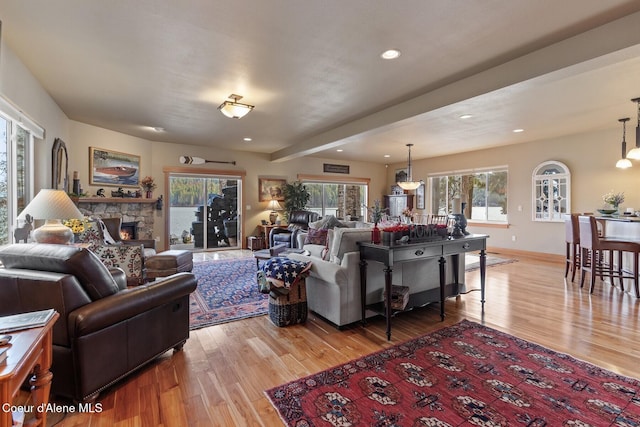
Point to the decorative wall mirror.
(59, 166)
(551, 191)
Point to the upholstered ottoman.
(167, 263)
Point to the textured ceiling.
(313, 70)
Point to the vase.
(375, 234)
(460, 223)
(149, 194)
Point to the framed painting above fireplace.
(107, 167)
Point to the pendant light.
(635, 153)
(409, 184)
(624, 163)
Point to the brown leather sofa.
(105, 330)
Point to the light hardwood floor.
(220, 376)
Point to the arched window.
(551, 191)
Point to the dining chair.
(572, 239)
(593, 249)
(438, 219)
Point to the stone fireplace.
(139, 212)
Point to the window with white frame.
(484, 193)
(17, 134)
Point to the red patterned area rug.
(462, 375)
(227, 291)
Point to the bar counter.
(621, 226)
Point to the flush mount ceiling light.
(390, 54)
(233, 109)
(409, 184)
(624, 162)
(635, 153)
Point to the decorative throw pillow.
(92, 233)
(316, 237)
(325, 252)
(316, 224)
(329, 222)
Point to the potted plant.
(296, 197)
(375, 215)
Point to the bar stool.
(593, 249)
(572, 238)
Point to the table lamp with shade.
(52, 206)
(275, 207)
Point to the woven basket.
(289, 309)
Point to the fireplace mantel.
(112, 200)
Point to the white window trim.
(11, 110)
(501, 168)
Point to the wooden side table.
(30, 351)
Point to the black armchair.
(298, 220)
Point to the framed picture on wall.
(113, 168)
(270, 189)
(420, 197)
(402, 174)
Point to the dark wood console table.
(415, 252)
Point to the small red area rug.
(227, 291)
(462, 375)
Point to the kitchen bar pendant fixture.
(624, 162)
(234, 109)
(409, 184)
(635, 153)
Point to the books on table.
(33, 319)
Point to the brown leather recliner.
(298, 220)
(105, 330)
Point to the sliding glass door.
(204, 211)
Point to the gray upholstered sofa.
(333, 285)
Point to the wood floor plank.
(220, 376)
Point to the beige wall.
(18, 85)
(155, 156)
(591, 159)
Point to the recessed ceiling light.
(247, 139)
(339, 150)
(390, 54)
(518, 130)
(466, 116)
(387, 155)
